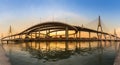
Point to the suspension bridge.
(58, 31)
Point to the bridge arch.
(49, 25)
(48, 28)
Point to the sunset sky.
(21, 14)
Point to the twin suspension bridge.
(58, 31)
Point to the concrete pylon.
(10, 32)
(115, 34)
(66, 33)
(99, 28)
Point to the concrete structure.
(43, 31)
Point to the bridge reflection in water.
(103, 53)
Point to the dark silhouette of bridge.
(44, 31)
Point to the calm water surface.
(62, 53)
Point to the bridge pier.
(31, 35)
(79, 34)
(89, 35)
(19, 36)
(46, 34)
(56, 34)
(49, 32)
(66, 33)
(105, 37)
(26, 35)
(39, 34)
(35, 34)
(14, 37)
(76, 35)
(99, 36)
(110, 37)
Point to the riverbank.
(117, 59)
(4, 60)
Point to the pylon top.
(115, 32)
(10, 30)
(99, 28)
(99, 21)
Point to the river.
(61, 53)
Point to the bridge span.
(58, 31)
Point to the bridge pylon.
(99, 28)
(115, 34)
(10, 32)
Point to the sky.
(22, 14)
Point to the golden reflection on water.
(63, 45)
(54, 51)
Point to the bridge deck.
(4, 60)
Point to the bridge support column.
(89, 35)
(11, 37)
(39, 34)
(56, 34)
(14, 37)
(26, 35)
(99, 36)
(105, 37)
(79, 34)
(76, 35)
(35, 34)
(31, 35)
(115, 35)
(110, 37)
(21, 36)
(66, 33)
(48, 33)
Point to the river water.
(61, 53)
